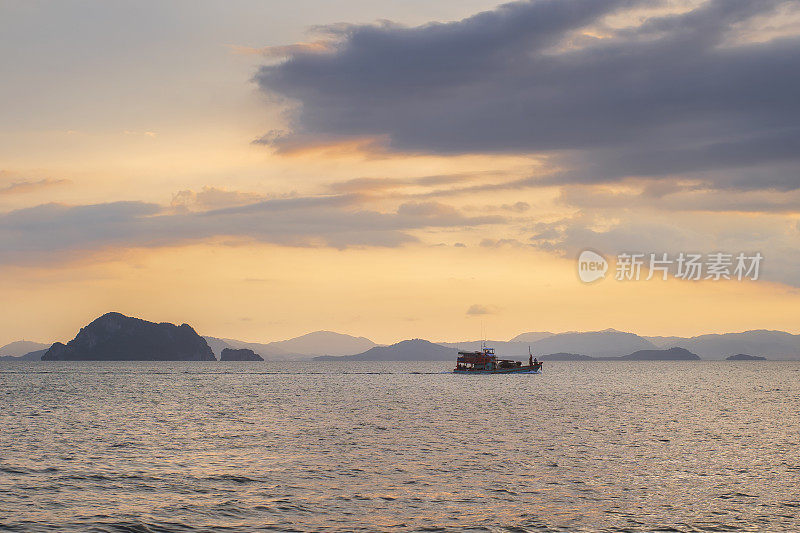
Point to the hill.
(298, 348)
(772, 344)
(532, 336)
(672, 354)
(325, 343)
(20, 348)
(116, 337)
(606, 343)
(33, 356)
(409, 350)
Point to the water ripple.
(405, 447)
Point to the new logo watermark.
(592, 266)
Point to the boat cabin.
(483, 360)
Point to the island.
(745, 357)
(242, 354)
(116, 337)
(672, 354)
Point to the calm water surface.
(239, 447)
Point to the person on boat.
(530, 359)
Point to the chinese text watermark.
(686, 266)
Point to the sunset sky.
(395, 169)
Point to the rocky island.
(745, 357)
(116, 337)
(243, 354)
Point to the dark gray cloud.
(334, 221)
(676, 94)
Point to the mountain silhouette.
(299, 348)
(671, 354)
(116, 337)
(21, 348)
(408, 350)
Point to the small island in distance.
(242, 354)
(745, 357)
(671, 354)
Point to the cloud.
(388, 185)
(447, 186)
(498, 243)
(151, 134)
(674, 94)
(212, 198)
(679, 197)
(24, 186)
(479, 309)
(776, 237)
(333, 221)
(315, 47)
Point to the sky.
(396, 169)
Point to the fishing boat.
(485, 361)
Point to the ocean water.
(241, 447)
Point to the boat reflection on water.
(485, 361)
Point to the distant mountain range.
(303, 347)
(422, 350)
(613, 343)
(760, 342)
(410, 350)
(573, 345)
(606, 343)
(20, 348)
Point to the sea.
(346, 446)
